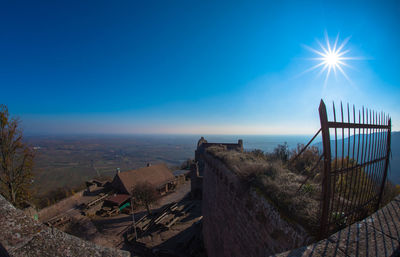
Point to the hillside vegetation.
(269, 175)
(294, 184)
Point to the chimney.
(118, 171)
(148, 164)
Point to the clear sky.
(203, 67)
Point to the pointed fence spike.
(363, 116)
(348, 114)
(341, 111)
(334, 111)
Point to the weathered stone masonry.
(22, 236)
(239, 222)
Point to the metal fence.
(356, 152)
(356, 148)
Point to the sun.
(331, 57)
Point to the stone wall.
(22, 236)
(196, 181)
(239, 222)
(197, 167)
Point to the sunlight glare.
(331, 57)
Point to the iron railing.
(356, 157)
(354, 179)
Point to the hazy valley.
(67, 161)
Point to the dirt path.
(111, 229)
(181, 192)
(65, 206)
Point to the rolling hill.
(394, 164)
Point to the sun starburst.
(331, 57)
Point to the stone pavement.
(377, 235)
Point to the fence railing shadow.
(376, 235)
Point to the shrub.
(275, 182)
(281, 152)
(304, 163)
(258, 153)
(308, 188)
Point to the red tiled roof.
(157, 175)
(117, 198)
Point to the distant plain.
(68, 161)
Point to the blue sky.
(203, 67)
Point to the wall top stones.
(20, 235)
(237, 221)
(376, 235)
(203, 144)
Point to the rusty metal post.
(133, 220)
(386, 164)
(326, 182)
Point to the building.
(157, 175)
(119, 201)
(95, 186)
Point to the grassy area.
(293, 185)
(271, 178)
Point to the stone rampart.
(239, 222)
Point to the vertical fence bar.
(359, 178)
(326, 181)
(372, 170)
(368, 166)
(376, 156)
(342, 200)
(355, 195)
(371, 158)
(352, 186)
(341, 177)
(384, 142)
(335, 168)
(386, 164)
(353, 167)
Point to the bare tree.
(145, 195)
(16, 160)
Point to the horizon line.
(159, 134)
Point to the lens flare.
(331, 57)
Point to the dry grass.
(280, 182)
(279, 185)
